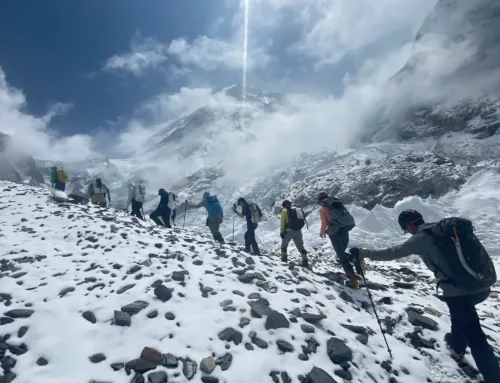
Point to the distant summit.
(253, 94)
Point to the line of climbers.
(336, 222)
(96, 191)
(449, 248)
(169, 203)
(165, 211)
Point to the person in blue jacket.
(162, 210)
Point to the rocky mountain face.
(472, 102)
(476, 22)
(17, 166)
(94, 295)
(382, 181)
(465, 126)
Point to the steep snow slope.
(66, 269)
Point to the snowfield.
(93, 295)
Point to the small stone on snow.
(19, 313)
(207, 365)
(338, 351)
(276, 320)
(97, 358)
(122, 319)
(89, 315)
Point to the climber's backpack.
(255, 212)
(213, 206)
(296, 218)
(341, 218)
(173, 202)
(140, 193)
(62, 176)
(468, 261)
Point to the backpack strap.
(448, 279)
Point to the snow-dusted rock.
(382, 181)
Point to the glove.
(282, 235)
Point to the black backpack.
(296, 218)
(470, 264)
(341, 218)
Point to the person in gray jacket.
(465, 326)
(214, 211)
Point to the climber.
(441, 247)
(336, 222)
(293, 219)
(58, 178)
(173, 203)
(253, 215)
(136, 198)
(98, 192)
(162, 210)
(215, 214)
(78, 192)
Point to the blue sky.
(86, 67)
(51, 48)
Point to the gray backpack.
(468, 261)
(341, 218)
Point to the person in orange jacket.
(336, 222)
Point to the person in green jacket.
(292, 221)
(55, 182)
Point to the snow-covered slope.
(70, 274)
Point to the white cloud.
(144, 54)
(211, 54)
(156, 114)
(31, 134)
(203, 53)
(330, 29)
(57, 109)
(309, 122)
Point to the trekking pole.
(375, 310)
(234, 207)
(185, 209)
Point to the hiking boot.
(353, 284)
(454, 354)
(305, 263)
(284, 257)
